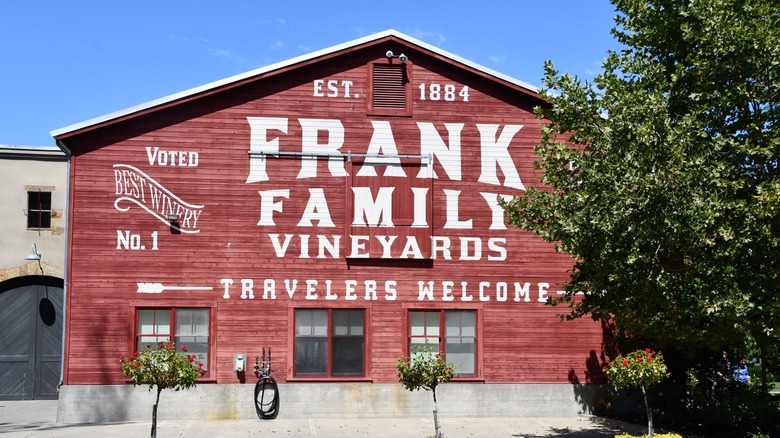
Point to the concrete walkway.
(38, 419)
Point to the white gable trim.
(279, 65)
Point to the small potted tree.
(161, 366)
(425, 371)
(639, 369)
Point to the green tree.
(661, 178)
(161, 366)
(639, 369)
(425, 371)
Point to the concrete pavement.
(37, 419)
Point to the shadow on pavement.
(568, 433)
(48, 425)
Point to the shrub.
(639, 369)
(425, 371)
(161, 366)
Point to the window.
(390, 89)
(190, 328)
(38, 210)
(329, 342)
(453, 332)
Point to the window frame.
(172, 332)
(442, 336)
(37, 214)
(328, 374)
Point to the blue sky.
(64, 62)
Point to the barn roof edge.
(280, 65)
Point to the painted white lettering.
(316, 210)
(280, 248)
(420, 207)
(330, 296)
(311, 289)
(473, 242)
(269, 289)
(304, 246)
(259, 143)
(247, 287)
(226, 282)
(318, 87)
(310, 144)
(190, 215)
(387, 243)
(497, 291)
(523, 291)
(129, 183)
(368, 210)
(347, 85)
(497, 245)
(464, 295)
(425, 292)
(327, 245)
(495, 152)
(411, 249)
(543, 292)
(334, 91)
(432, 143)
(349, 290)
(501, 291)
(496, 212)
(127, 240)
(268, 206)
(441, 244)
(370, 290)
(482, 286)
(151, 154)
(358, 247)
(453, 222)
(391, 293)
(446, 291)
(290, 287)
(382, 143)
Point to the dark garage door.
(31, 325)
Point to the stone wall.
(111, 403)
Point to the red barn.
(340, 209)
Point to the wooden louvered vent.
(389, 87)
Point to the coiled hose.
(267, 398)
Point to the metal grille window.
(38, 210)
(329, 342)
(452, 332)
(187, 326)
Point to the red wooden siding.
(518, 341)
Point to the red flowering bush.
(639, 369)
(163, 367)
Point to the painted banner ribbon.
(134, 186)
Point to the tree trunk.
(436, 424)
(649, 414)
(154, 413)
(764, 383)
